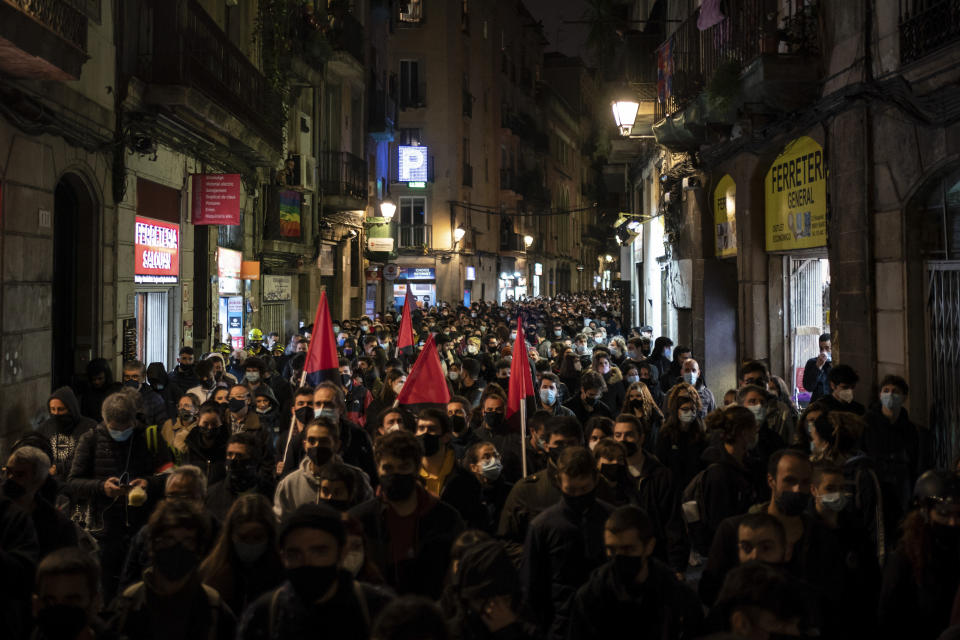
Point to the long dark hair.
(918, 545)
(252, 507)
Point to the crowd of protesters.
(226, 498)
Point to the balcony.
(467, 175)
(342, 180)
(42, 39)
(205, 84)
(692, 62)
(346, 35)
(414, 236)
(383, 114)
(926, 26)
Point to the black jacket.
(463, 492)
(662, 606)
(529, 498)
(681, 452)
(210, 457)
(179, 382)
(154, 407)
(437, 526)
(99, 457)
(815, 380)
(584, 413)
(343, 617)
(659, 497)
(910, 609)
(729, 489)
(18, 561)
(356, 449)
(54, 529)
(895, 450)
(509, 444)
(816, 559)
(563, 546)
(63, 438)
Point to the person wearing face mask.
(729, 481)
(302, 410)
(834, 439)
(662, 356)
(589, 401)
(25, 473)
(616, 391)
(208, 381)
(321, 446)
(175, 430)
(471, 383)
(356, 395)
(690, 374)
(207, 442)
(895, 444)
(392, 385)
(564, 543)
(66, 598)
(355, 448)
(244, 562)
(99, 384)
(843, 383)
(245, 474)
(483, 460)
(410, 530)
(813, 553)
(109, 463)
(154, 407)
(242, 417)
(861, 571)
(183, 377)
(171, 601)
(535, 493)
(319, 594)
(681, 440)
(757, 400)
(493, 427)
(63, 428)
(268, 413)
(922, 575)
(633, 588)
(549, 395)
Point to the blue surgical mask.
(548, 396)
(491, 468)
(891, 401)
(668, 353)
(120, 436)
(690, 377)
(327, 412)
(632, 379)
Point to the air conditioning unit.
(304, 133)
(310, 174)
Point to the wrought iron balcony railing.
(927, 25)
(414, 236)
(343, 174)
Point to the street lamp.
(625, 114)
(527, 241)
(458, 234)
(387, 209)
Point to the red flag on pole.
(322, 362)
(521, 390)
(425, 383)
(405, 336)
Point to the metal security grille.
(943, 338)
(152, 313)
(809, 313)
(272, 319)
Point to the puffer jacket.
(63, 438)
(99, 457)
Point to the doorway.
(76, 277)
(808, 300)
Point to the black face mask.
(631, 447)
(554, 453)
(792, 503)
(611, 472)
(236, 405)
(304, 414)
(494, 421)
(13, 490)
(458, 424)
(241, 475)
(626, 568)
(319, 456)
(209, 384)
(581, 503)
(339, 505)
(186, 416)
(187, 369)
(64, 422)
(61, 621)
(311, 583)
(945, 536)
(430, 443)
(176, 562)
(398, 486)
(347, 380)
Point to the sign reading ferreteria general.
(795, 191)
(724, 217)
(216, 198)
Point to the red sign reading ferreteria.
(216, 198)
(157, 251)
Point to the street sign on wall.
(795, 191)
(412, 164)
(156, 251)
(724, 217)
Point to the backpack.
(694, 510)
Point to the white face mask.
(454, 376)
(759, 412)
(686, 417)
(834, 501)
(353, 561)
(844, 395)
(397, 386)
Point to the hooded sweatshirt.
(302, 487)
(63, 435)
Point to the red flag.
(405, 337)
(322, 363)
(521, 384)
(426, 383)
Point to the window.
(410, 137)
(414, 231)
(412, 88)
(411, 11)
